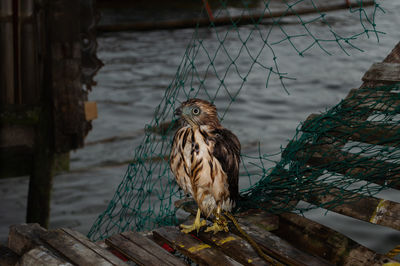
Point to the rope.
(251, 241)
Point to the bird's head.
(197, 112)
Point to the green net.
(218, 72)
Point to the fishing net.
(317, 162)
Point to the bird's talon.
(195, 226)
(218, 226)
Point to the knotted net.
(317, 163)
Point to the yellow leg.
(220, 223)
(195, 226)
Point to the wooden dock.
(288, 239)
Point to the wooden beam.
(7, 94)
(192, 247)
(108, 256)
(234, 246)
(42, 256)
(73, 250)
(362, 131)
(374, 99)
(221, 21)
(279, 248)
(326, 156)
(268, 242)
(325, 242)
(389, 72)
(151, 247)
(369, 209)
(135, 252)
(24, 237)
(43, 168)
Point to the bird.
(205, 159)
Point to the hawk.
(205, 161)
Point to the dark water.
(138, 68)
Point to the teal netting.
(219, 72)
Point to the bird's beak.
(178, 111)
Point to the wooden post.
(28, 61)
(6, 53)
(41, 179)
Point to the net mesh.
(317, 163)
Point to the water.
(138, 68)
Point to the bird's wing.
(177, 161)
(227, 151)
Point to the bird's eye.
(196, 111)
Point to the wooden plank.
(97, 249)
(133, 251)
(234, 246)
(278, 247)
(328, 157)
(192, 247)
(24, 237)
(268, 242)
(7, 256)
(389, 72)
(225, 20)
(42, 256)
(17, 135)
(72, 249)
(7, 69)
(152, 248)
(355, 130)
(90, 111)
(325, 242)
(369, 209)
(382, 101)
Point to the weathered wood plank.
(24, 237)
(97, 249)
(383, 101)
(325, 242)
(188, 245)
(278, 247)
(234, 246)
(268, 242)
(41, 256)
(7, 256)
(226, 20)
(383, 72)
(328, 157)
(133, 251)
(355, 130)
(152, 248)
(72, 249)
(7, 68)
(369, 209)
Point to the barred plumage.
(205, 158)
